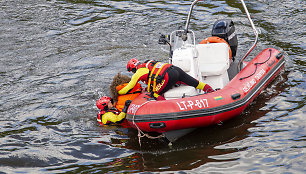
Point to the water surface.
(59, 56)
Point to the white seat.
(214, 61)
(183, 62)
(213, 58)
(181, 91)
(184, 58)
(216, 82)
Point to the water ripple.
(59, 56)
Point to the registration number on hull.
(192, 104)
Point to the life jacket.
(131, 95)
(157, 71)
(101, 113)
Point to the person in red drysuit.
(160, 77)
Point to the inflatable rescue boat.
(211, 61)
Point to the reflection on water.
(58, 57)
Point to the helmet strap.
(105, 108)
(133, 70)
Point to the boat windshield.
(177, 41)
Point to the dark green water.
(58, 57)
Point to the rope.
(141, 134)
(256, 66)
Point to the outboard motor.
(225, 29)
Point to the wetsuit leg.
(173, 77)
(186, 78)
(176, 74)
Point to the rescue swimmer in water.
(108, 112)
(160, 77)
(113, 109)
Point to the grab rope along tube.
(141, 134)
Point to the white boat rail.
(255, 32)
(188, 20)
(184, 37)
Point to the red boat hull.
(207, 109)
